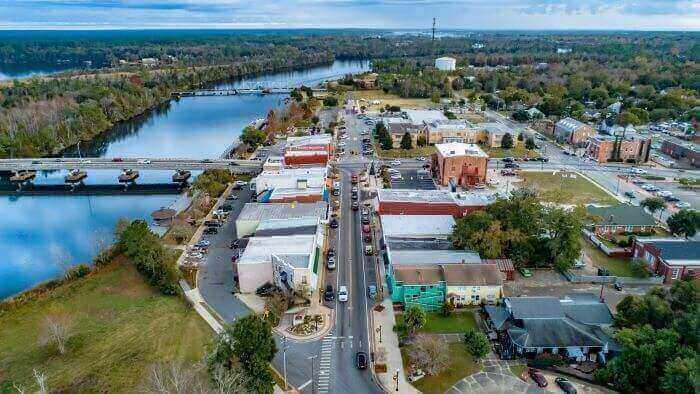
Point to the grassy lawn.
(555, 188)
(120, 326)
(461, 365)
(390, 99)
(457, 322)
(518, 151)
(617, 267)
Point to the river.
(40, 237)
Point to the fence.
(609, 251)
(624, 280)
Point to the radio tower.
(433, 29)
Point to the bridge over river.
(98, 163)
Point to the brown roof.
(403, 128)
(418, 275)
(451, 274)
(472, 275)
(504, 265)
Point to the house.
(290, 262)
(672, 258)
(495, 132)
(591, 114)
(366, 81)
(149, 62)
(253, 214)
(446, 63)
(572, 131)
(571, 327)
(429, 286)
(397, 130)
(429, 202)
(629, 149)
(615, 107)
(563, 51)
(460, 164)
(621, 218)
(534, 113)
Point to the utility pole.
(284, 360)
(434, 32)
(313, 373)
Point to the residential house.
(460, 164)
(571, 327)
(534, 113)
(591, 114)
(620, 219)
(615, 107)
(672, 258)
(572, 131)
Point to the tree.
(507, 141)
(685, 222)
(563, 237)
(680, 376)
(252, 136)
(521, 115)
(414, 318)
(521, 137)
(477, 343)
(406, 142)
(421, 141)
(653, 204)
(429, 353)
(529, 143)
(330, 101)
(174, 377)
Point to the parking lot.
(413, 179)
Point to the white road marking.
(305, 384)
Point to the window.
(303, 280)
(422, 289)
(675, 273)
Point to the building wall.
(302, 198)
(681, 152)
(397, 137)
(456, 168)
(474, 295)
(580, 135)
(409, 208)
(430, 297)
(654, 261)
(298, 160)
(246, 227)
(466, 135)
(252, 276)
(602, 150)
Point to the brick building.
(601, 148)
(620, 218)
(688, 151)
(672, 258)
(572, 131)
(429, 202)
(460, 164)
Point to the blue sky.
(462, 14)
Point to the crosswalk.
(325, 367)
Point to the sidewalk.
(388, 352)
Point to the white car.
(343, 294)
(639, 171)
(241, 183)
(84, 161)
(143, 161)
(421, 158)
(396, 163)
(682, 205)
(664, 193)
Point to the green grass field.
(395, 153)
(518, 151)
(457, 322)
(617, 267)
(120, 325)
(461, 365)
(575, 191)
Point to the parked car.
(537, 376)
(334, 223)
(330, 263)
(371, 291)
(232, 197)
(202, 244)
(328, 294)
(525, 272)
(343, 294)
(330, 252)
(368, 250)
(396, 163)
(367, 238)
(682, 205)
(420, 158)
(361, 360)
(365, 228)
(240, 183)
(365, 219)
(211, 230)
(355, 206)
(266, 289)
(630, 194)
(235, 244)
(565, 385)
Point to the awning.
(574, 352)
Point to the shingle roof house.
(621, 218)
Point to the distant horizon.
(415, 29)
(516, 15)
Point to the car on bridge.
(143, 161)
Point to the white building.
(421, 117)
(253, 214)
(417, 226)
(291, 178)
(446, 63)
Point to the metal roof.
(415, 225)
(261, 249)
(677, 251)
(272, 227)
(261, 211)
(435, 197)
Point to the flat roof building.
(253, 214)
(460, 164)
(417, 225)
(291, 178)
(430, 202)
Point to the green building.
(422, 286)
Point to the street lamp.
(284, 360)
(379, 331)
(313, 372)
(396, 379)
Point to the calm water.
(12, 71)
(41, 236)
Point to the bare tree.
(57, 330)
(174, 377)
(40, 380)
(429, 353)
(229, 380)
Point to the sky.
(380, 14)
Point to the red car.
(365, 228)
(537, 376)
(354, 178)
(117, 159)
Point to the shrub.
(547, 360)
(639, 269)
(78, 271)
(477, 343)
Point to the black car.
(236, 244)
(361, 360)
(355, 206)
(328, 295)
(331, 252)
(334, 223)
(211, 230)
(365, 219)
(511, 165)
(354, 195)
(565, 385)
(226, 208)
(212, 223)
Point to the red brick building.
(602, 149)
(429, 202)
(460, 164)
(671, 258)
(308, 150)
(688, 151)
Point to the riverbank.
(119, 324)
